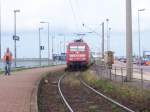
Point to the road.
(121, 64)
(136, 72)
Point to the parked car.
(134, 61)
(147, 62)
(142, 61)
(122, 60)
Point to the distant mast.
(78, 40)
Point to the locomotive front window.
(81, 48)
(77, 48)
(73, 48)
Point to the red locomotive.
(78, 55)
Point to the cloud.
(60, 12)
(67, 17)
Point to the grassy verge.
(72, 81)
(1, 72)
(21, 69)
(16, 70)
(48, 95)
(132, 97)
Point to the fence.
(24, 64)
(140, 78)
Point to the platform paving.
(18, 91)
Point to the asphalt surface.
(121, 64)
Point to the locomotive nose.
(77, 52)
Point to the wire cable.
(74, 15)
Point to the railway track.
(61, 93)
(92, 91)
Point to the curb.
(34, 94)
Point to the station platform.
(18, 92)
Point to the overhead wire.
(79, 12)
(92, 31)
(74, 15)
(82, 21)
(77, 17)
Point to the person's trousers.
(7, 69)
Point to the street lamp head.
(40, 28)
(142, 9)
(17, 10)
(107, 20)
(83, 24)
(44, 22)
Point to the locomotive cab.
(77, 54)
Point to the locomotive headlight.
(71, 59)
(82, 55)
(71, 55)
(83, 59)
(77, 55)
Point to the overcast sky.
(67, 16)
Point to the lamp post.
(52, 47)
(103, 43)
(48, 39)
(109, 30)
(103, 34)
(64, 44)
(139, 34)
(40, 45)
(107, 20)
(14, 37)
(60, 47)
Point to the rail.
(61, 94)
(107, 98)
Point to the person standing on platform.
(7, 59)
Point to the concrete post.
(129, 63)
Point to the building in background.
(146, 54)
(59, 57)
